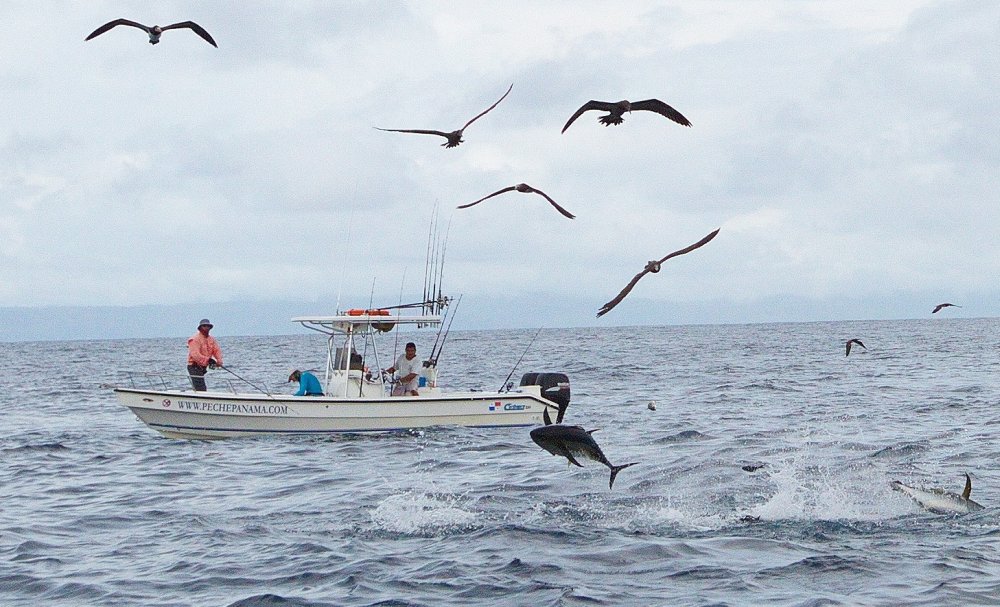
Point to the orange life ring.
(355, 312)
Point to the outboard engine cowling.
(555, 387)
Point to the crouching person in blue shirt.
(308, 384)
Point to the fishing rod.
(245, 380)
(395, 345)
(440, 277)
(427, 256)
(435, 349)
(519, 360)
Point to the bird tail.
(614, 472)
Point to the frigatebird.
(455, 137)
(154, 31)
(853, 341)
(938, 307)
(616, 109)
(654, 267)
(525, 188)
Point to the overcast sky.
(848, 150)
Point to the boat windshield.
(351, 347)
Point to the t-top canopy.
(354, 321)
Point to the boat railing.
(149, 380)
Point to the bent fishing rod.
(245, 380)
(509, 375)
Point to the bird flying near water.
(455, 137)
(155, 31)
(938, 307)
(654, 267)
(616, 109)
(853, 341)
(524, 188)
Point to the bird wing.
(614, 302)
(688, 249)
(937, 308)
(479, 115)
(111, 24)
(655, 105)
(191, 25)
(508, 189)
(848, 353)
(618, 298)
(420, 131)
(553, 203)
(590, 105)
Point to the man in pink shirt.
(203, 352)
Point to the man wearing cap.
(203, 352)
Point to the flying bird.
(155, 31)
(853, 341)
(455, 137)
(615, 111)
(938, 307)
(654, 267)
(527, 189)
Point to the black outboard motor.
(555, 387)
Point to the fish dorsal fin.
(968, 487)
(592, 431)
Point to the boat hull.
(189, 414)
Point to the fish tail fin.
(615, 470)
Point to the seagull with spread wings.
(527, 189)
(850, 342)
(155, 31)
(654, 267)
(615, 111)
(938, 307)
(455, 137)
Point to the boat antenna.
(519, 360)
(347, 249)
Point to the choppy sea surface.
(98, 509)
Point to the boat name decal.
(253, 408)
(498, 406)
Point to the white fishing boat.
(357, 395)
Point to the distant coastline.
(67, 323)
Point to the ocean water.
(97, 509)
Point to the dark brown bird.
(527, 189)
(654, 267)
(850, 342)
(155, 31)
(615, 111)
(938, 307)
(455, 137)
